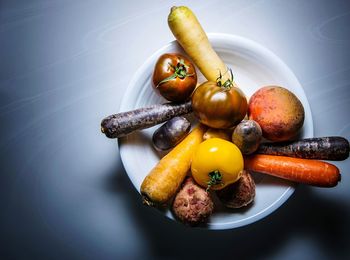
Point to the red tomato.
(174, 77)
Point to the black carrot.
(124, 123)
(334, 148)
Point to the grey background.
(64, 65)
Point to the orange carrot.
(312, 172)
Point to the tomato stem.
(228, 84)
(215, 179)
(180, 71)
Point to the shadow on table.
(305, 215)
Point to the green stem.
(228, 84)
(215, 179)
(180, 71)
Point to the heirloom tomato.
(174, 77)
(217, 163)
(219, 105)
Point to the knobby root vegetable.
(312, 172)
(161, 184)
(191, 36)
(124, 123)
(324, 148)
(238, 194)
(192, 204)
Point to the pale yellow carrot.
(193, 39)
(161, 184)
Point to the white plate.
(253, 66)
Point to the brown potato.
(278, 111)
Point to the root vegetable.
(238, 194)
(192, 204)
(324, 148)
(171, 133)
(191, 36)
(161, 184)
(312, 172)
(278, 111)
(124, 123)
(247, 136)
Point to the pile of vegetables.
(233, 137)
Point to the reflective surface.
(64, 65)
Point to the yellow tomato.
(217, 163)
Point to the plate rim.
(250, 44)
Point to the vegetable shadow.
(306, 215)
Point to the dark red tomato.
(174, 77)
(219, 106)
